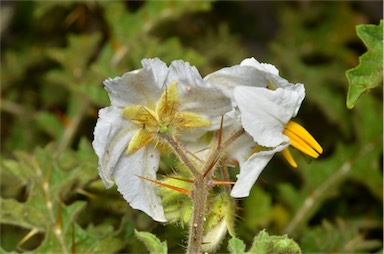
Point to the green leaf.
(16, 213)
(48, 182)
(75, 57)
(153, 244)
(264, 243)
(369, 73)
(236, 246)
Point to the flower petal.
(261, 66)
(250, 170)
(139, 193)
(241, 147)
(158, 68)
(112, 135)
(142, 86)
(227, 79)
(264, 112)
(270, 72)
(196, 95)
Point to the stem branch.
(180, 151)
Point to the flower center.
(166, 117)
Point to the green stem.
(70, 131)
(13, 108)
(55, 222)
(317, 196)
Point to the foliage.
(369, 73)
(43, 209)
(264, 243)
(55, 55)
(153, 244)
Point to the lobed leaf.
(49, 181)
(265, 243)
(236, 246)
(369, 73)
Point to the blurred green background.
(55, 56)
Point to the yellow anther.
(298, 143)
(304, 135)
(288, 156)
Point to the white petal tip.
(236, 193)
(107, 182)
(163, 220)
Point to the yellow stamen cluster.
(302, 140)
(166, 117)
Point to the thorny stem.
(199, 198)
(217, 153)
(200, 194)
(181, 152)
(202, 183)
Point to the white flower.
(264, 114)
(266, 104)
(145, 102)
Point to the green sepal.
(140, 115)
(219, 221)
(369, 73)
(153, 244)
(221, 208)
(177, 206)
(265, 243)
(139, 140)
(187, 119)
